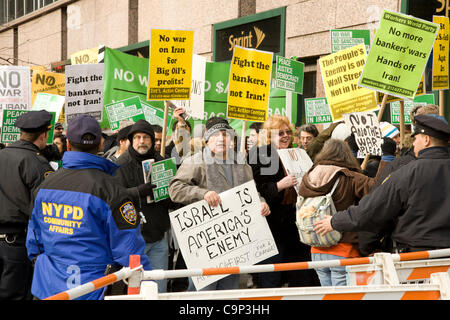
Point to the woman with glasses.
(277, 189)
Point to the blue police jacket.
(82, 221)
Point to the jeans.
(158, 254)
(227, 283)
(334, 276)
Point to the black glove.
(146, 189)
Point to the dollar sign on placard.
(219, 87)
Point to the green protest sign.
(155, 116)
(162, 173)
(11, 133)
(408, 105)
(343, 39)
(398, 54)
(317, 111)
(289, 75)
(127, 109)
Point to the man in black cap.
(22, 169)
(413, 201)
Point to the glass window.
(20, 10)
(3, 11)
(28, 6)
(11, 10)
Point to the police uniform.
(82, 221)
(22, 169)
(413, 201)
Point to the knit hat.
(214, 125)
(341, 132)
(388, 130)
(142, 126)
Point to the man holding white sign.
(202, 177)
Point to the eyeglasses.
(285, 132)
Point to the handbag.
(312, 209)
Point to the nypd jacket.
(22, 169)
(413, 202)
(81, 222)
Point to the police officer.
(82, 221)
(413, 201)
(22, 169)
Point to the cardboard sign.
(170, 66)
(50, 102)
(441, 54)
(11, 133)
(84, 90)
(162, 172)
(289, 75)
(367, 132)
(15, 88)
(249, 85)
(344, 39)
(317, 111)
(195, 107)
(408, 105)
(340, 74)
(398, 55)
(231, 234)
(295, 161)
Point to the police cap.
(432, 125)
(34, 121)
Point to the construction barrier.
(137, 275)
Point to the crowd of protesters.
(415, 216)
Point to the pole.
(441, 102)
(243, 135)
(164, 129)
(380, 115)
(402, 122)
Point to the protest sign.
(249, 84)
(344, 39)
(170, 68)
(231, 234)
(155, 116)
(50, 102)
(295, 161)
(88, 56)
(317, 111)
(147, 170)
(195, 107)
(366, 128)
(84, 90)
(441, 54)
(11, 133)
(47, 82)
(398, 55)
(162, 172)
(15, 88)
(420, 91)
(340, 74)
(289, 75)
(408, 105)
(127, 109)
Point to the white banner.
(84, 90)
(231, 234)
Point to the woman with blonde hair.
(277, 189)
(336, 161)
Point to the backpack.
(310, 210)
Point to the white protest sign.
(367, 131)
(295, 161)
(231, 234)
(49, 102)
(196, 106)
(84, 90)
(15, 88)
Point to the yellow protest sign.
(170, 67)
(88, 56)
(441, 54)
(48, 82)
(340, 74)
(249, 85)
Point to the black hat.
(123, 133)
(59, 124)
(81, 125)
(34, 121)
(214, 125)
(141, 126)
(432, 125)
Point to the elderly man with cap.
(205, 174)
(22, 169)
(82, 221)
(413, 201)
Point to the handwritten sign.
(367, 132)
(170, 67)
(295, 161)
(231, 234)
